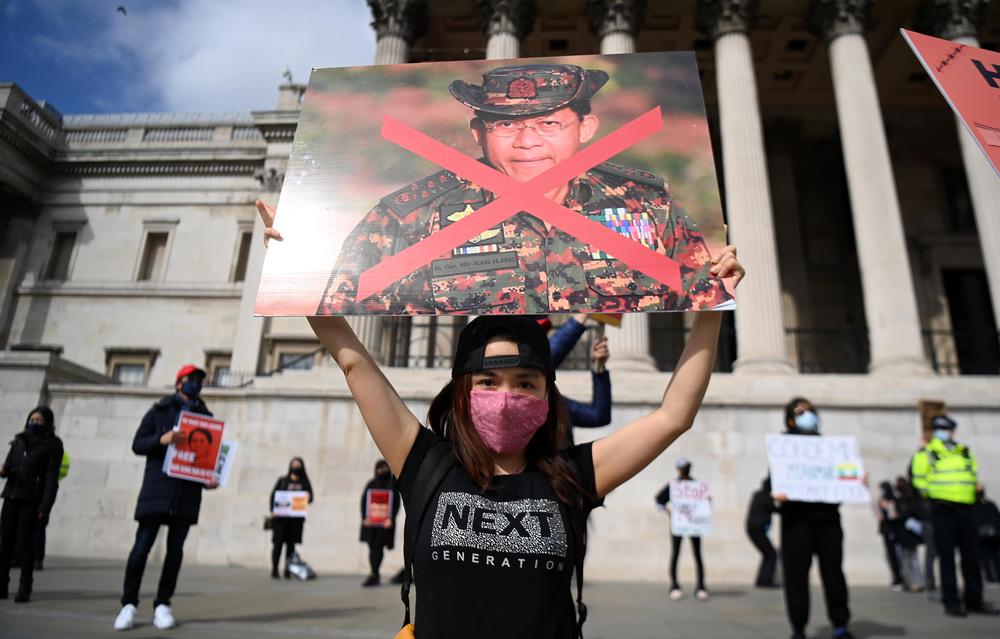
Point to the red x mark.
(513, 197)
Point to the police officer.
(528, 119)
(946, 473)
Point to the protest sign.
(816, 469)
(195, 458)
(612, 210)
(227, 454)
(969, 79)
(378, 506)
(290, 503)
(690, 508)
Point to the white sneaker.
(702, 595)
(676, 594)
(126, 618)
(163, 617)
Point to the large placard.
(378, 506)
(571, 184)
(969, 79)
(816, 469)
(196, 457)
(690, 508)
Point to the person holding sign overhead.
(808, 529)
(287, 530)
(163, 500)
(379, 506)
(505, 508)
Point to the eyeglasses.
(510, 128)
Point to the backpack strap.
(433, 468)
(579, 531)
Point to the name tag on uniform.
(465, 264)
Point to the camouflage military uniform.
(520, 266)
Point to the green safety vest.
(64, 466)
(945, 474)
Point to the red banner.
(378, 506)
(969, 79)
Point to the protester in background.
(287, 531)
(663, 499)
(988, 523)
(43, 524)
(919, 483)
(378, 535)
(758, 524)
(32, 470)
(887, 515)
(598, 412)
(809, 529)
(951, 474)
(908, 535)
(163, 501)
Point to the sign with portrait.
(196, 457)
(969, 79)
(690, 508)
(378, 506)
(816, 469)
(535, 186)
(290, 503)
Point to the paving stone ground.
(79, 598)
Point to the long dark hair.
(449, 417)
(790, 412)
(47, 416)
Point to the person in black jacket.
(163, 501)
(287, 531)
(378, 536)
(32, 472)
(988, 524)
(808, 529)
(758, 525)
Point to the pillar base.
(900, 366)
(767, 366)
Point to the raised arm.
(391, 424)
(621, 455)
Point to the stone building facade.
(867, 218)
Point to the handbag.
(268, 522)
(406, 632)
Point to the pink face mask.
(507, 421)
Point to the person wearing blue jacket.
(598, 412)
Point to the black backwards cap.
(532, 345)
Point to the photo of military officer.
(527, 119)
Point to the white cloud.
(218, 55)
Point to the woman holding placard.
(807, 529)
(505, 508)
(287, 531)
(379, 506)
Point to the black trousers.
(18, 525)
(955, 527)
(376, 551)
(675, 554)
(800, 540)
(145, 536)
(768, 556)
(892, 556)
(276, 552)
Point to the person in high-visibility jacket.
(945, 472)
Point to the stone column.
(616, 23)
(397, 23)
(247, 345)
(958, 20)
(505, 23)
(14, 245)
(890, 303)
(760, 330)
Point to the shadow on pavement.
(287, 615)
(863, 629)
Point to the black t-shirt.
(499, 563)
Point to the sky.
(86, 56)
